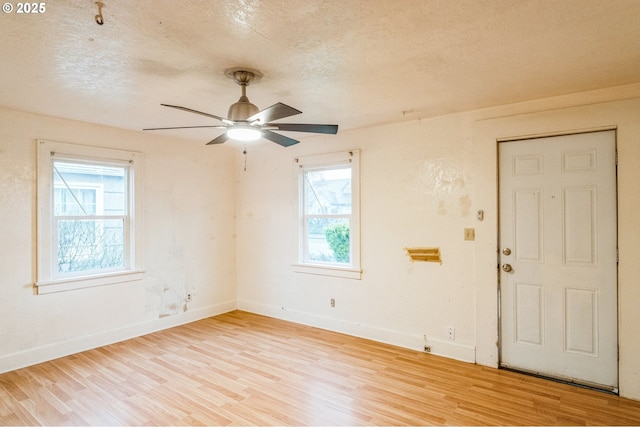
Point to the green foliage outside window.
(338, 238)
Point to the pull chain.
(245, 159)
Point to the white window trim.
(46, 282)
(352, 157)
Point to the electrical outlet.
(427, 349)
(333, 302)
(188, 297)
(451, 333)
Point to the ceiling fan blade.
(188, 127)
(218, 140)
(285, 141)
(222, 119)
(275, 112)
(299, 127)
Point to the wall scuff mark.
(173, 302)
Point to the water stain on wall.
(443, 180)
(464, 203)
(442, 208)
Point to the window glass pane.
(89, 245)
(328, 191)
(70, 203)
(89, 189)
(328, 240)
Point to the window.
(90, 236)
(88, 216)
(329, 214)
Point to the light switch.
(469, 234)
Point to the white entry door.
(558, 257)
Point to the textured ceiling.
(355, 63)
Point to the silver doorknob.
(507, 268)
(506, 251)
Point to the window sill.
(332, 271)
(72, 283)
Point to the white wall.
(189, 243)
(421, 185)
(417, 190)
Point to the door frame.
(614, 108)
(499, 258)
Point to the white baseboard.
(452, 350)
(13, 361)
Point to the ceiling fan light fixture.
(244, 133)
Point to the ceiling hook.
(99, 19)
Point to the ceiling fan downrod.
(242, 109)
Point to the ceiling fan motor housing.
(242, 109)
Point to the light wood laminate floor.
(243, 369)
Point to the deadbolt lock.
(506, 251)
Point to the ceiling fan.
(245, 123)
